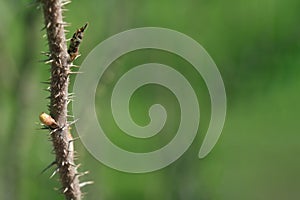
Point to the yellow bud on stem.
(47, 120)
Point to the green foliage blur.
(256, 46)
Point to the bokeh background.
(256, 46)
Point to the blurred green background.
(256, 47)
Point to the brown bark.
(60, 71)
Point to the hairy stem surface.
(60, 70)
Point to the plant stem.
(60, 70)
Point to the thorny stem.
(60, 70)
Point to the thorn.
(75, 66)
(64, 24)
(65, 3)
(51, 164)
(82, 174)
(73, 122)
(47, 53)
(56, 129)
(53, 131)
(77, 166)
(75, 72)
(48, 25)
(86, 183)
(65, 190)
(74, 139)
(72, 164)
(53, 174)
(69, 101)
(44, 27)
(84, 27)
(48, 89)
(70, 97)
(46, 61)
(49, 61)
